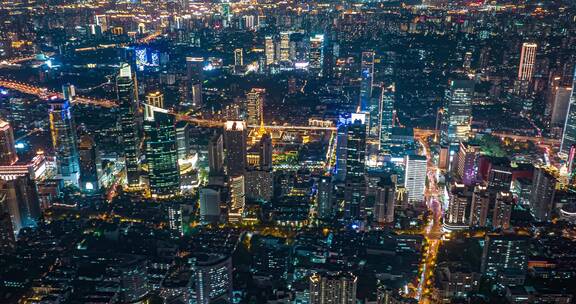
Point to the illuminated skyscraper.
(269, 50)
(216, 155)
(8, 154)
(213, 276)
(235, 136)
(194, 80)
(355, 181)
(366, 80)
(333, 288)
(255, 106)
(161, 153)
(129, 135)
(569, 136)
(326, 208)
(316, 55)
(415, 177)
(64, 141)
(387, 114)
(527, 60)
(155, 99)
(237, 193)
(458, 115)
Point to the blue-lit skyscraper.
(367, 80)
(64, 141)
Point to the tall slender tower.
(235, 136)
(194, 80)
(161, 153)
(129, 135)
(569, 135)
(527, 60)
(355, 181)
(367, 80)
(64, 141)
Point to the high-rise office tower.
(340, 168)
(505, 253)
(415, 177)
(64, 141)
(239, 57)
(216, 155)
(255, 106)
(387, 114)
(458, 114)
(466, 163)
(155, 99)
(375, 104)
(385, 200)
(129, 133)
(525, 74)
(235, 136)
(194, 80)
(569, 134)
(542, 194)
(213, 277)
(269, 50)
(502, 210)
(527, 61)
(456, 216)
(355, 181)
(265, 152)
(366, 80)
(237, 193)
(161, 153)
(21, 201)
(182, 139)
(480, 206)
(285, 46)
(316, 55)
(210, 204)
(560, 102)
(90, 165)
(8, 154)
(324, 201)
(332, 288)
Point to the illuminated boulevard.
(433, 230)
